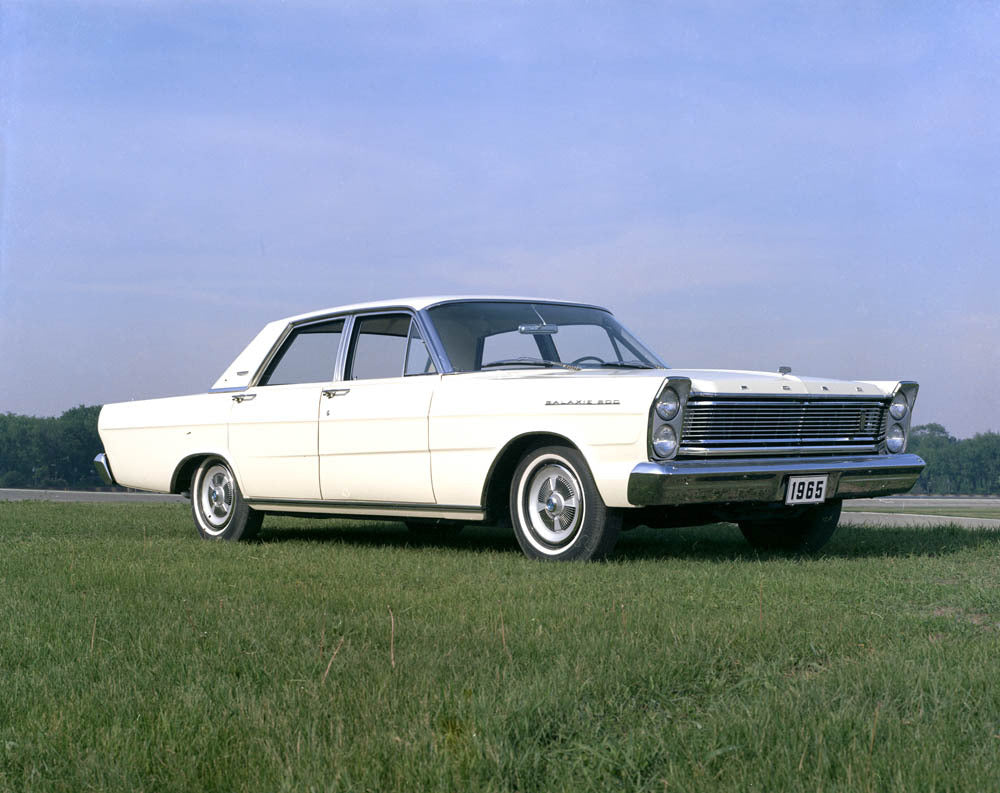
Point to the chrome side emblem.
(582, 402)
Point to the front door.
(373, 424)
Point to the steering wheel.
(583, 358)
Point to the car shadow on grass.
(724, 542)
(385, 534)
(717, 542)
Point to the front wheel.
(220, 513)
(556, 509)
(805, 531)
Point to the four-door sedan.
(544, 415)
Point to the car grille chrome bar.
(733, 427)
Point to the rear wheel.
(220, 513)
(557, 510)
(805, 531)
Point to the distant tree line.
(970, 466)
(50, 453)
(58, 453)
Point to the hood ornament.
(784, 370)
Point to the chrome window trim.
(291, 328)
(341, 365)
(348, 350)
(347, 333)
(528, 301)
(434, 345)
(447, 368)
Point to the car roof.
(421, 303)
(241, 371)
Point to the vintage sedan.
(543, 415)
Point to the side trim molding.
(376, 508)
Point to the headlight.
(665, 441)
(895, 440)
(899, 406)
(668, 404)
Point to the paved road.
(895, 519)
(846, 519)
(908, 502)
(86, 496)
(853, 518)
(935, 502)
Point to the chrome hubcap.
(553, 506)
(217, 498)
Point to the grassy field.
(951, 512)
(351, 657)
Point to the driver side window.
(388, 345)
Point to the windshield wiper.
(628, 365)
(529, 362)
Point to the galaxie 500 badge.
(583, 402)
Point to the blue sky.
(812, 184)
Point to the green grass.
(949, 512)
(134, 656)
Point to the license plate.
(806, 490)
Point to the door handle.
(329, 393)
(243, 397)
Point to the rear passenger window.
(309, 355)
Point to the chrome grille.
(731, 426)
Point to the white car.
(545, 415)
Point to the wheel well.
(183, 473)
(496, 491)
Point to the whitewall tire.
(220, 513)
(556, 509)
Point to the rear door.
(273, 425)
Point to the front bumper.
(720, 481)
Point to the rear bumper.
(103, 468)
(720, 481)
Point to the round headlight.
(896, 439)
(668, 404)
(899, 406)
(664, 441)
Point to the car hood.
(721, 381)
(716, 381)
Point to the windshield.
(480, 335)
